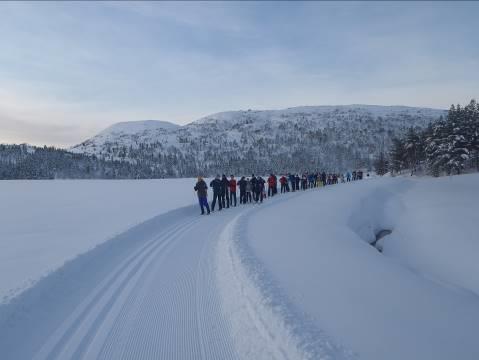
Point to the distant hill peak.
(134, 127)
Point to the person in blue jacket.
(292, 180)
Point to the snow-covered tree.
(381, 163)
(456, 143)
(397, 155)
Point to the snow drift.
(417, 301)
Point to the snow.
(293, 278)
(232, 133)
(436, 233)
(45, 223)
(321, 112)
(133, 127)
(264, 325)
(418, 300)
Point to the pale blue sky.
(67, 70)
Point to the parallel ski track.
(161, 302)
(177, 317)
(82, 325)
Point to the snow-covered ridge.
(324, 111)
(134, 127)
(327, 137)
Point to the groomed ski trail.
(162, 290)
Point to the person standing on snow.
(216, 185)
(232, 189)
(202, 190)
(242, 187)
(249, 190)
(304, 182)
(283, 181)
(292, 180)
(225, 184)
(253, 187)
(297, 181)
(271, 185)
(259, 189)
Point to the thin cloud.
(84, 66)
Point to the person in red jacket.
(271, 185)
(283, 181)
(232, 190)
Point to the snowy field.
(293, 278)
(45, 223)
(419, 299)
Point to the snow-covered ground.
(45, 223)
(293, 278)
(418, 300)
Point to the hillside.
(293, 139)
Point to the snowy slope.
(127, 134)
(331, 137)
(138, 127)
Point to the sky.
(70, 69)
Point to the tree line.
(445, 147)
(41, 163)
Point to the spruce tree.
(381, 164)
(436, 148)
(456, 143)
(471, 131)
(397, 155)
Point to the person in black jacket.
(216, 184)
(242, 186)
(259, 189)
(225, 198)
(253, 187)
(202, 190)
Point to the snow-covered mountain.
(144, 131)
(293, 139)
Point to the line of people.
(253, 189)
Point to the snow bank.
(45, 223)
(436, 234)
(315, 248)
(264, 326)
